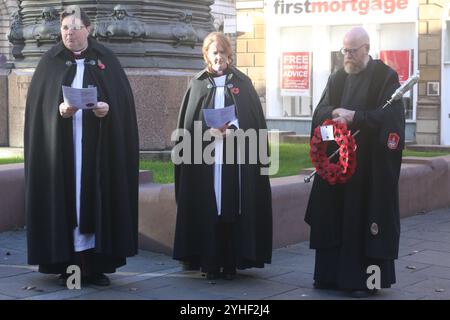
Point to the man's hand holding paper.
(101, 110)
(85, 98)
(66, 111)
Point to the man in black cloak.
(224, 208)
(356, 225)
(81, 166)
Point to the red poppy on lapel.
(235, 90)
(101, 65)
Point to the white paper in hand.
(327, 133)
(85, 98)
(217, 118)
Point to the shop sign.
(296, 72)
(295, 12)
(399, 60)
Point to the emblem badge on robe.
(393, 141)
(374, 229)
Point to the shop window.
(337, 61)
(296, 84)
(408, 105)
(297, 106)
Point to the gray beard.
(352, 68)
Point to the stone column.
(4, 107)
(429, 107)
(7, 7)
(19, 81)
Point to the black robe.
(196, 233)
(357, 223)
(110, 163)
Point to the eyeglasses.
(72, 27)
(351, 51)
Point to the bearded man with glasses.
(355, 227)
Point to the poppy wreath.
(344, 168)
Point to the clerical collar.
(224, 73)
(79, 55)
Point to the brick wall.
(250, 48)
(429, 107)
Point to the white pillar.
(321, 61)
(373, 30)
(273, 97)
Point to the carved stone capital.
(146, 33)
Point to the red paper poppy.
(235, 90)
(344, 168)
(100, 65)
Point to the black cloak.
(197, 216)
(110, 161)
(371, 195)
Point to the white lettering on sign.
(296, 59)
(310, 12)
(296, 72)
(362, 7)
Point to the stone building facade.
(427, 38)
(250, 44)
(224, 15)
(246, 24)
(159, 59)
(7, 7)
(433, 15)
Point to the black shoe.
(324, 285)
(229, 276)
(212, 275)
(189, 266)
(229, 273)
(62, 279)
(361, 294)
(97, 279)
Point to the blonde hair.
(220, 39)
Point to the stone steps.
(161, 155)
(7, 152)
(296, 138)
(428, 147)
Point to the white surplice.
(219, 103)
(81, 241)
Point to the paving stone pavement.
(423, 272)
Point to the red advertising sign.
(399, 60)
(296, 71)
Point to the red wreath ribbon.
(344, 168)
